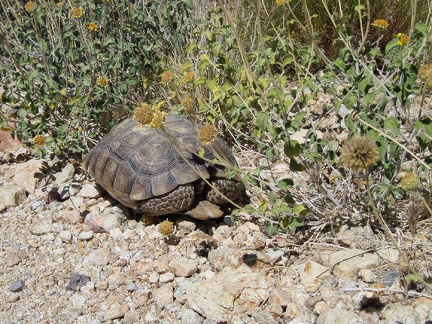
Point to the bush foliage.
(71, 69)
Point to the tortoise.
(161, 171)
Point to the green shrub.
(70, 71)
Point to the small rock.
(41, 226)
(188, 316)
(232, 291)
(184, 268)
(339, 316)
(65, 175)
(76, 281)
(164, 295)
(116, 311)
(279, 297)
(65, 236)
(311, 274)
(103, 285)
(116, 233)
(166, 277)
(101, 223)
(367, 275)
(274, 255)
(131, 317)
(91, 191)
(185, 225)
(85, 236)
(28, 174)
(347, 263)
(13, 257)
(12, 196)
(17, 285)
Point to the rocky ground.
(76, 256)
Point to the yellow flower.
(166, 228)
(187, 103)
(207, 134)
(92, 27)
(188, 76)
(144, 82)
(359, 153)
(166, 77)
(77, 12)
(158, 119)
(30, 7)
(102, 82)
(403, 39)
(409, 182)
(282, 2)
(39, 140)
(150, 116)
(143, 115)
(380, 24)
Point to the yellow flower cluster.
(282, 2)
(77, 12)
(39, 140)
(102, 82)
(30, 7)
(166, 228)
(359, 153)
(409, 182)
(92, 27)
(188, 76)
(380, 24)
(150, 116)
(425, 75)
(207, 134)
(187, 103)
(166, 77)
(403, 39)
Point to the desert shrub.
(72, 69)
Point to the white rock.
(164, 295)
(312, 274)
(90, 190)
(166, 277)
(367, 275)
(336, 315)
(65, 236)
(85, 235)
(116, 311)
(41, 226)
(230, 292)
(347, 263)
(11, 196)
(184, 268)
(65, 174)
(26, 174)
(188, 316)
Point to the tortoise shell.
(142, 165)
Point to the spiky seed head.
(207, 134)
(359, 153)
(166, 228)
(409, 182)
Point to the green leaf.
(299, 209)
(272, 230)
(295, 166)
(392, 124)
(285, 184)
(292, 148)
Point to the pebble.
(65, 236)
(166, 277)
(184, 268)
(116, 311)
(41, 226)
(164, 295)
(85, 236)
(89, 190)
(17, 285)
(76, 281)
